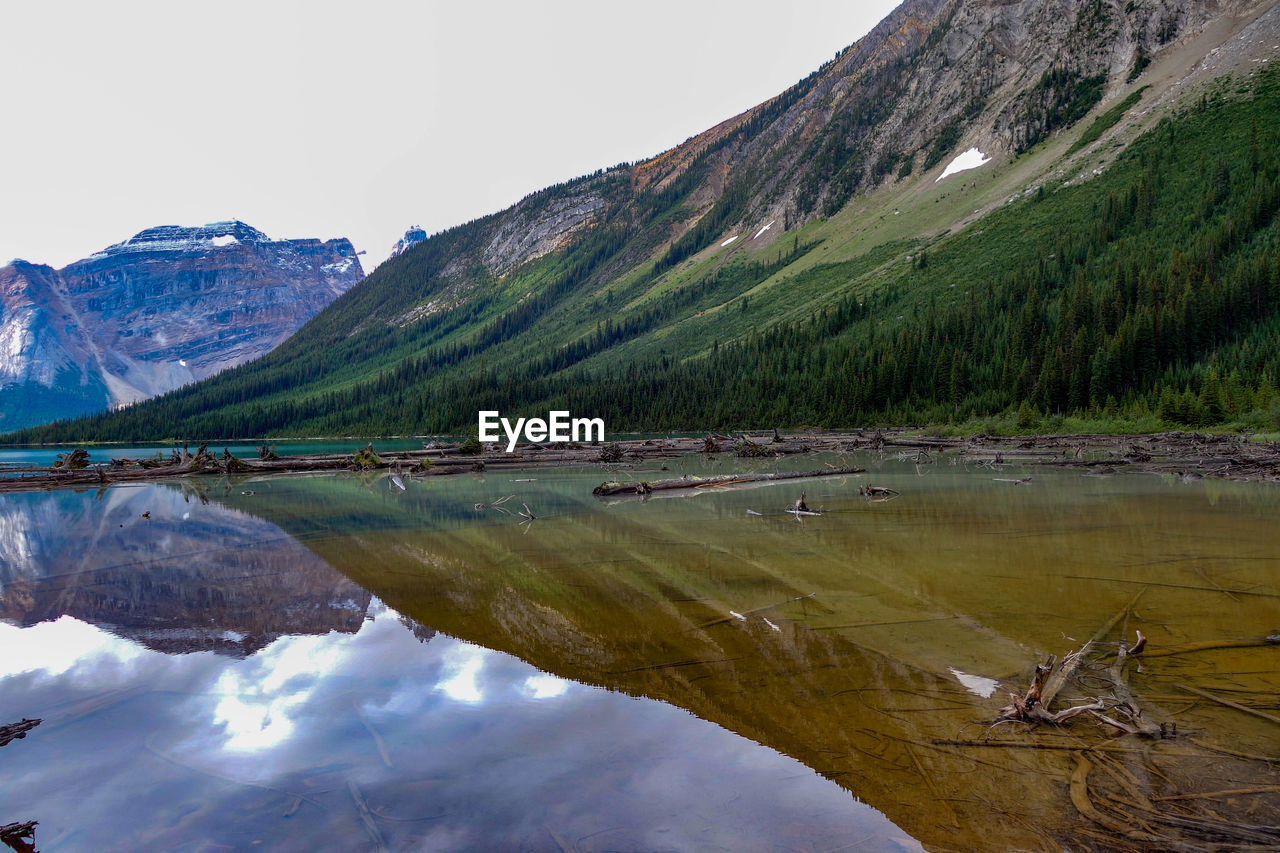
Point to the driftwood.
(233, 465)
(749, 449)
(1231, 457)
(20, 836)
(644, 487)
(878, 493)
(1033, 707)
(800, 508)
(17, 731)
(77, 459)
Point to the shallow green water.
(799, 683)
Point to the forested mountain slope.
(807, 262)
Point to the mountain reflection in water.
(207, 681)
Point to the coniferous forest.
(1145, 297)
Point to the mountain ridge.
(169, 306)
(826, 193)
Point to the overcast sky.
(330, 119)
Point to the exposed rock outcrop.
(411, 238)
(169, 306)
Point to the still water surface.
(333, 663)
(46, 455)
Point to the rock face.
(169, 306)
(411, 238)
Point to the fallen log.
(645, 487)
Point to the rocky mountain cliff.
(167, 307)
(412, 237)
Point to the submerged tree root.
(1137, 817)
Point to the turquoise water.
(104, 453)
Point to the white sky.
(330, 119)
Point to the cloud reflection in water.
(448, 745)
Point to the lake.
(15, 456)
(331, 662)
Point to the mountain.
(980, 211)
(412, 237)
(163, 309)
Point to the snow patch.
(975, 684)
(224, 240)
(730, 240)
(337, 267)
(182, 361)
(765, 228)
(971, 159)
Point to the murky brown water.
(866, 645)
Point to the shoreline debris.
(1227, 456)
